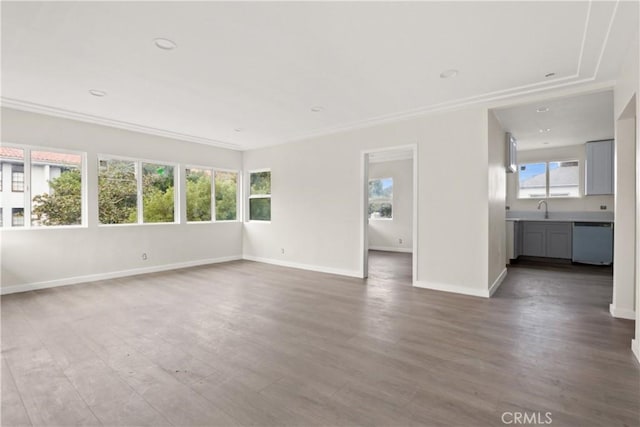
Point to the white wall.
(316, 187)
(581, 204)
(624, 271)
(497, 199)
(384, 234)
(42, 257)
(626, 87)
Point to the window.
(549, 179)
(198, 182)
(17, 178)
(117, 192)
(381, 198)
(158, 196)
(49, 194)
(226, 192)
(17, 217)
(564, 179)
(56, 188)
(120, 181)
(260, 196)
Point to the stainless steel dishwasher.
(593, 243)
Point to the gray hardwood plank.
(244, 343)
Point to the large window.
(211, 195)
(260, 196)
(117, 191)
(56, 188)
(549, 179)
(381, 198)
(122, 181)
(226, 191)
(50, 193)
(198, 182)
(158, 196)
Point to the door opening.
(389, 214)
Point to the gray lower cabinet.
(546, 239)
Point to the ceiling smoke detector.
(165, 44)
(448, 73)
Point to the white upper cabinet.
(599, 168)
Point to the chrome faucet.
(546, 208)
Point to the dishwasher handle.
(592, 224)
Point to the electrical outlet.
(400, 240)
(282, 251)
(144, 256)
(603, 207)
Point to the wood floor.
(244, 343)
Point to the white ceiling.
(571, 120)
(261, 66)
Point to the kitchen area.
(560, 204)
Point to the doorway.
(389, 214)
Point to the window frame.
(547, 195)
(14, 173)
(213, 171)
(390, 200)
(257, 196)
(84, 186)
(177, 212)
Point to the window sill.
(51, 227)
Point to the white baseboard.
(112, 275)
(494, 287)
(635, 347)
(622, 313)
(318, 268)
(390, 249)
(452, 288)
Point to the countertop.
(560, 216)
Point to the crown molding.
(33, 107)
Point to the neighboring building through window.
(53, 189)
(549, 179)
(381, 198)
(260, 196)
(56, 188)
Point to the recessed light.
(99, 93)
(238, 129)
(317, 109)
(448, 73)
(165, 44)
(542, 109)
(545, 143)
(544, 130)
(549, 75)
